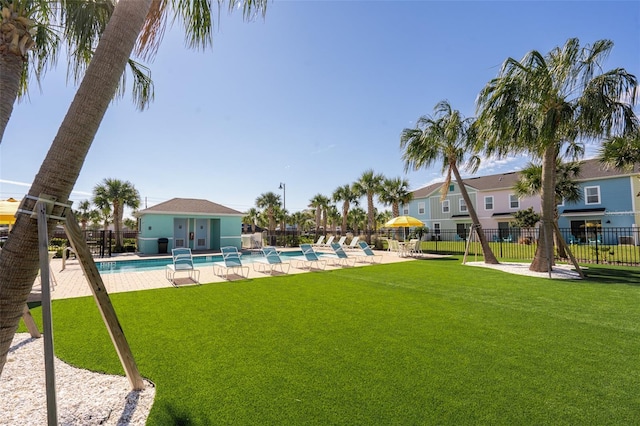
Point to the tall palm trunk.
(62, 165)
(544, 252)
(118, 212)
(489, 257)
(345, 213)
(370, 217)
(395, 209)
(10, 73)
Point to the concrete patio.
(71, 282)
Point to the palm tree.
(119, 195)
(84, 213)
(320, 203)
(269, 202)
(446, 137)
(544, 105)
(63, 162)
(252, 217)
(395, 191)
(567, 188)
(621, 152)
(302, 220)
(33, 34)
(369, 185)
(357, 219)
(347, 195)
(333, 217)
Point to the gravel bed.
(558, 272)
(83, 397)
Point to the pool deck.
(71, 282)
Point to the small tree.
(526, 219)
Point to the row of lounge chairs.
(270, 262)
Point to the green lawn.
(424, 342)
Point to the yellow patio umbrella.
(403, 222)
(8, 210)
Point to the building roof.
(589, 170)
(190, 206)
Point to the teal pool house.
(187, 222)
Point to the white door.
(202, 232)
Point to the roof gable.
(190, 206)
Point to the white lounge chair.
(326, 244)
(340, 257)
(230, 262)
(319, 242)
(368, 254)
(182, 262)
(342, 240)
(270, 262)
(309, 258)
(353, 245)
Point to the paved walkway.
(71, 282)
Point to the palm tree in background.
(621, 152)
(252, 217)
(302, 220)
(369, 185)
(320, 203)
(567, 188)
(118, 195)
(84, 213)
(357, 219)
(546, 106)
(269, 202)
(63, 162)
(395, 191)
(347, 195)
(33, 35)
(333, 217)
(446, 137)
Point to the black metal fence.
(601, 245)
(101, 243)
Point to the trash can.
(162, 245)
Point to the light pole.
(283, 186)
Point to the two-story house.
(610, 199)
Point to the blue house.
(186, 222)
(609, 200)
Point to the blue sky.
(312, 96)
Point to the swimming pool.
(141, 265)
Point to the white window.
(463, 205)
(514, 201)
(421, 208)
(592, 195)
(561, 203)
(445, 206)
(436, 228)
(405, 210)
(488, 202)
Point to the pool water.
(141, 265)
